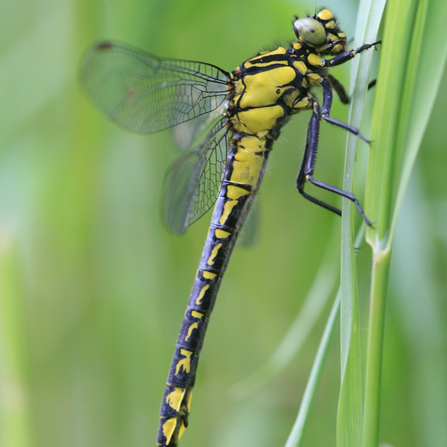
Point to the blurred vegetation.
(93, 288)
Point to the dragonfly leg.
(327, 104)
(339, 89)
(307, 167)
(348, 55)
(372, 84)
(342, 193)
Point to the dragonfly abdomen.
(245, 166)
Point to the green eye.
(310, 30)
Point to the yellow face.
(322, 33)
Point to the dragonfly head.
(321, 32)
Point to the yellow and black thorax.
(273, 85)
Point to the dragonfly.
(231, 121)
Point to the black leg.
(342, 193)
(325, 110)
(348, 55)
(372, 84)
(308, 164)
(327, 98)
(347, 127)
(339, 89)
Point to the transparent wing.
(193, 181)
(191, 132)
(144, 93)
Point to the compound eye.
(311, 30)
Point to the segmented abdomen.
(243, 174)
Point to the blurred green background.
(93, 287)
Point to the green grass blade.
(350, 408)
(414, 55)
(406, 91)
(296, 435)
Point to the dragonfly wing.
(189, 133)
(193, 181)
(144, 93)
